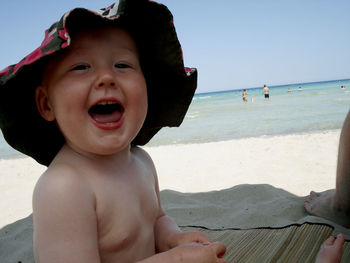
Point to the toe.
(308, 206)
(340, 240)
(313, 194)
(307, 199)
(329, 241)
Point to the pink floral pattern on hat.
(5, 71)
(36, 54)
(64, 35)
(32, 57)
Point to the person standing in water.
(244, 95)
(266, 92)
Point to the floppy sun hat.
(170, 85)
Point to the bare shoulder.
(60, 181)
(143, 156)
(63, 188)
(140, 152)
(147, 163)
(64, 217)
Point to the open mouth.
(106, 112)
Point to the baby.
(102, 82)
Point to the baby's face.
(96, 92)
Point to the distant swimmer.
(342, 87)
(266, 93)
(289, 90)
(300, 89)
(244, 95)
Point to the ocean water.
(217, 116)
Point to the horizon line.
(272, 86)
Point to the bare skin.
(331, 250)
(266, 91)
(90, 206)
(98, 212)
(244, 95)
(334, 204)
(99, 200)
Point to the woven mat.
(295, 243)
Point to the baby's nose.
(103, 84)
(105, 80)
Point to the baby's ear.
(43, 103)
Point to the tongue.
(107, 118)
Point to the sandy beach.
(243, 183)
(294, 163)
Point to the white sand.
(295, 163)
(279, 170)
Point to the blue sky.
(234, 44)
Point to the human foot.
(325, 205)
(331, 250)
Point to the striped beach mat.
(294, 243)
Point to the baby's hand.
(189, 237)
(200, 253)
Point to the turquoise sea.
(216, 116)
(223, 115)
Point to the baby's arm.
(65, 225)
(168, 235)
(172, 244)
(178, 246)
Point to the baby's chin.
(112, 149)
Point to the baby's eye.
(121, 65)
(80, 67)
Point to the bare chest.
(126, 212)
